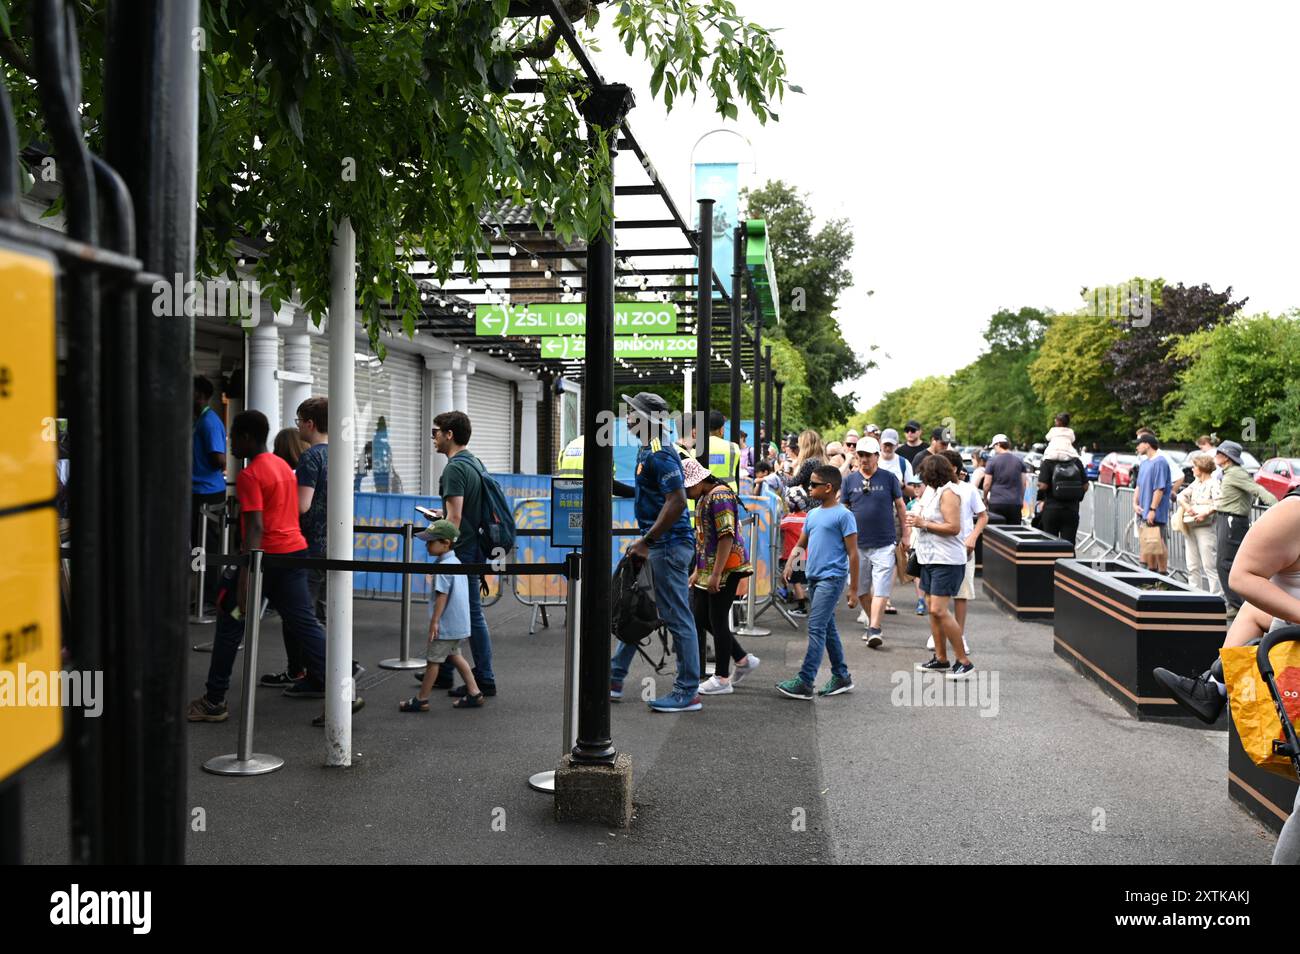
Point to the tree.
(399, 115)
(811, 270)
(992, 394)
(1236, 380)
(1143, 357)
(1071, 373)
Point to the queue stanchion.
(404, 661)
(245, 761)
(545, 781)
(206, 516)
(751, 616)
(773, 563)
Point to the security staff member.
(570, 461)
(724, 456)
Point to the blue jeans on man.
(670, 563)
(480, 640)
(823, 596)
(285, 588)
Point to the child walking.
(830, 540)
(448, 621)
(796, 498)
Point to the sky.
(1002, 154)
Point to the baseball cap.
(692, 472)
(439, 530)
(940, 434)
(868, 445)
(999, 439)
(872, 429)
(889, 436)
(913, 477)
(912, 426)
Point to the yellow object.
(28, 428)
(570, 461)
(724, 459)
(1253, 711)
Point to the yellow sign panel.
(28, 430)
(31, 719)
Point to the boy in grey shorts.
(448, 621)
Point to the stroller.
(1288, 746)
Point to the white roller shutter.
(393, 390)
(491, 413)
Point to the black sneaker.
(961, 670)
(357, 705)
(1199, 696)
(487, 688)
(306, 688)
(279, 680)
(799, 612)
(934, 665)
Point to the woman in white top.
(942, 555)
(1198, 501)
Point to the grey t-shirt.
(1007, 487)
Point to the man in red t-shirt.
(268, 506)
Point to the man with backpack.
(463, 488)
(1062, 483)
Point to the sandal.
(414, 704)
(468, 701)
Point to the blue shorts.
(942, 579)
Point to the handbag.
(1176, 521)
(913, 564)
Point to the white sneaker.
(863, 618)
(929, 643)
(740, 672)
(713, 686)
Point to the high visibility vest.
(724, 458)
(570, 461)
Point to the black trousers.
(1061, 520)
(713, 615)
(1229, 531)
(1010, 513)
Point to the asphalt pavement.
(1041, 767)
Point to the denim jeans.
(671, 565)
(286, 589)
(480, 640)
(823, 595)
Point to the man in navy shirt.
(208, 483)
(875, 498)
(668, 543)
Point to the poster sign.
(566, 511)
(570, 318)
(642, 346)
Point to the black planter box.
(1018, 566)
(1267, 796)
(1115, 623)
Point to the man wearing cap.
(1232, 513)
(851, 442)
(1005, 481)
(909, 450)
(724, 456)
(875, 497)
(668, 543)
(890, 460)
(1151, 503)
(939, 441)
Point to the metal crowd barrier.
(219, 516)
(245, 761)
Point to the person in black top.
(913, 445)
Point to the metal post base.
(753, 631)
(402, 663)
(203, 620)
(543, 782)
(256, 764)
(207, 647)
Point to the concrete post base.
(594, 793)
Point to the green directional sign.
(630, 317)
(574, 348)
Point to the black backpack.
(635, 615)
(496, 522)
(1069, 482)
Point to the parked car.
(1092, 468)
(1250, 463)
(1116, 469)
(1278, 475)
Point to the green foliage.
(1070, 373)
(1239, 371)
(811, 270)
(928, 400)
(397, 114)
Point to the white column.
(262, 359)
(443, 368)
(530, 392)
(461, 387)
(688, 401)
(338, 510)
(295, 379)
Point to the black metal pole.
(58, 69)
(758, 366)
(151, 129)
(778, 435)
(704, 333)
(767, 387)
(603, 110)
(737, 289)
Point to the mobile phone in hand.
(429, 514)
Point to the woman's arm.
(1271, 544)
(950, 511)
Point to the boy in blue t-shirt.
(830, 540)
(448, 621)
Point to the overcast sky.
(1004, 154)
